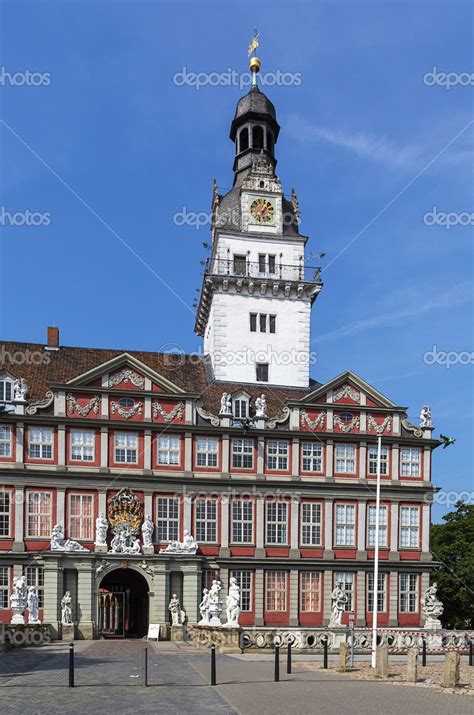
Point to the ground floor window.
(409, 593)
(310, 591)
(275, 590)
(4, 586)
(245, 582)
(81, 517)
(35, 577)
(346, 580)
(167, 519)
(382, 592)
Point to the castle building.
(272, 473)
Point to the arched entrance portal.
(123, 604)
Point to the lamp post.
(376, 556)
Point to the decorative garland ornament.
(347, 391)
(84, 410)
(124, 412)
(177, 411)
(313, 424)
(347, 426)
(379, 428)
(126, 376)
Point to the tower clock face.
(262, 210)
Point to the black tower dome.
(254, 129)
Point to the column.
(260, 528)
(393, 515)
(224, 505)
(328, 530)
(192, 590)
(53, 592)
(188, 412)
(225, 455)
(147, 406)
(395, 462)
(361, 531)
(328, 587)
(60, 403)
(329, 459)
(187, 513)
(294, 605)
(363, 460)
(148, 499)
(104, 447)
(393, 600)
(360, 596)
(424, 582)
(294, 526)
(259, 596)
(260, 457)
(19, 499)
(20, 437)
(295, 458)
(61, 436)
(425, 532)
(188, 453)
(147, 451)
(102, 502)
(86, 600)
(159, 598)
(427, 464)
(60, 507)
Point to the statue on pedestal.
(338, 603)
(101, 528)
(425, 416)
(204, 608)
(226, 405)
(215, 603)
(147, 532)
(125, 541)
(59, 543)
(187, 547)
(178, 615)
(33, 605)
(19, 600)
(66, 609)
(233, 604)
(432, 607)
(20, 389)
(261, 407)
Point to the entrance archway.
(123, 604)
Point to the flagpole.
(376, 556)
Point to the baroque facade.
(272, 473)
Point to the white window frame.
(244, 579)
(409, 592)
(276, 523)
(6, 441)
(242, 521)
(43, 519)
(348, 580)
(278, 455)
(5, 512)
(410, 462)
(242, 451)
(345, 458)
(312, 457)
(81, 525)
(205, 520)
(310, 591)
(383, 525)
(5, 583)
(240, 407)
(207, 452)
(6, 389)
(345, 524)
(35, 577)
(381, 595)
(372, 460)
(81, 442)
(40, 443)
(276, 587)
(129, 447)
(409, 526)
(168, 452)
(311, 514)
(168, 512)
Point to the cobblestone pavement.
(108, 676)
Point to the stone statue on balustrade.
(60, 543)
(125, 541)
(147, 532)
(178, 614)
(233, 604)
(425, 416)
(19, 600)
(101, 528)
(187, 547)
(261, 406)
(338, 605)
(66, 609)
(432, 607)
(226, 405)
(204, 608)
(215, 603)
(20, 390)
(33, 605)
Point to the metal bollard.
(325, 653)
(423, 653)
(213, 665)
(145, 667)
(71, 665)
(288, 658)
(277, 663)
(470, 652)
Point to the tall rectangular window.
(275, 590)
(6, 390)
(240, 265)
(206, 520)
(242, 453)
(126, 447)
(40, 443)
(5, 513)
(263, 322)
(81, 517)
(310, 523)
(277, 522)
(312, 456)
(5, 441)
(242, 521)
(4, 586)
(310, 591)
(345, 524)
(271, 264)
(373, 460)
(168, 449)
(346, 580)
(207, 451)
(167, 519)
(410, 527)
(409, 592)
(35, 577)
(410, 458)
(261, 262)
(345, 459)
(382, 592)
(383, 525)
(240, 408)
(262, 372)
(82, 445)
(244, 580)
(277, 454)
(272, 323)
(253, 322)
(39, 514)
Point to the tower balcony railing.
(240, 266)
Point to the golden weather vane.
(254, 44)
(254, 62)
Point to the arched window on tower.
(244, 139)
(257, 138)
(270, 141)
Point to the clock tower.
(255, 304)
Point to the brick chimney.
(53, 338)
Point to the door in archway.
(123, 605)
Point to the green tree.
(452, 545)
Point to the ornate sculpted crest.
(125, 509)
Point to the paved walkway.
(108, 677)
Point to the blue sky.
(110, 147)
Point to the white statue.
(33, 605)
(226, 404)
(338, 603)
(432, 607)
(101, 528)
(19, 600)
(20, 389)
(425, 416)
(204, 608)
(178, 615)
(125, 542)
(233, 603)
(187, 547)
(147, 532)
(261, 406)
(66, 609)
(215, 603)
(59, 543)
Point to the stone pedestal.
(18, 618)
(452, 662)
(148, 550)
(338, 638)
(381, 662)
(412, 665)
(177, 634)
(344, 657)
(433, 624)
(100, 548)
(68, 632)
(226, 640)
